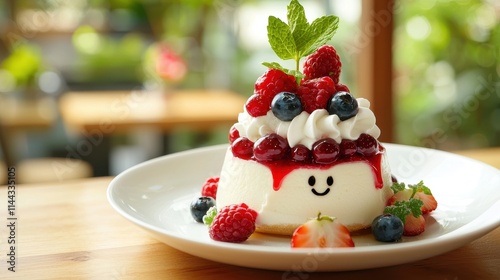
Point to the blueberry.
(387, 228)
(343, 104)
(200, 206)
(286, 106)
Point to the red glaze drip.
(281, 168)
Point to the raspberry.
(258, 105)
(233, 223)
(316, 93)
(323, 62)
(209, 188)
(272, 82)
(342, 87)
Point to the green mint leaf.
(281, 38)
(297, 22)
(420, 187)
(401, 209)
(321, 30)
(415, 206)
(209, 217)
(397, 187)
(275, 65)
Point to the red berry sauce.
(301, 157)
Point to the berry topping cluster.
(280, 92)
(319, 88)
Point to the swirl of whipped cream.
(307, 128)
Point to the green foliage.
(209, 217)
(401, 209)
(24, 63)
(448, 81)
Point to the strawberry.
(418, 191)
(322, 232)
(400, 196)
(430, 203)
(209, 188)
(409, 204)
(323, 62)
(413, 225)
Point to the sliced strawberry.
(414, 225)
(400, 196)
(321, 232)
(430, 203)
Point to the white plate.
(155, 195)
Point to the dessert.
(304, 159)
(303, 143)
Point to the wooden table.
(113, 112)
(98, 116)
(18, 114)
(69, 231)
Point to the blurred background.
(443, 90)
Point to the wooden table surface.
(23, 114)
(109, 112)
(68, 230)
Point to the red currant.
(233, 134)
(325, 151)
(367, 145)
(242, 148)
(300, 153)
(270, 147)
(347, 147)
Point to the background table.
(111, 112)
(68, 230)
(101, 115)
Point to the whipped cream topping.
(307, 128)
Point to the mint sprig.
(298, 38)
(401, 209)
(419, 187)
(210, 215)
(411, 206)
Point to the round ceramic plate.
(156, 194)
